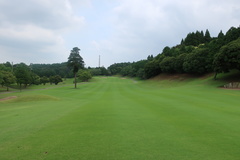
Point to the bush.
(84, 75)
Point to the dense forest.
(198, 53)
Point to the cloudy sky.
(45, 31)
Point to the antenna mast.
(99, 63)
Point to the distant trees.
(99, 71)
(55, 79)
(44, 80)
(135, 69)
(75, 61)
(48, 70)
(194, 39)
(116, 68)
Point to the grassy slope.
(114, 118)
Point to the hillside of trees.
(198, 53)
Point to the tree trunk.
(75, 80)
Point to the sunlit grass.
(118, 118)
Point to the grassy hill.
(118, 118)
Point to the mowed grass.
(122, 119)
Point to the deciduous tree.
(228, 57)
(84, 75)
(7, 78)
(23, 74)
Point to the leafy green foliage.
(178, 63)
(198, 62)
(196, 53)
(35, 79)
(44, 80)
(135, 69)
(55, 79)
(228, 57)
(75, 61)
(194, 39)
(52, 69)
(84, 75)
(7, 78)
(102, 71)
(152, 68)
(167, 65)
(23, 74)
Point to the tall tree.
(23, 74)
(7, 78)
(75, 61)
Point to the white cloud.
(146, 27)
(33, 30)
(119, 30)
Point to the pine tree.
(75, 61)
(207, 36)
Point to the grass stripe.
(114, 118)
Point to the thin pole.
(12, 67)
(99, 64)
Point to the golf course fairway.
(113, 118)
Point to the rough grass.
(115, 118)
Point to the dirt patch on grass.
(8, 98)
(229, 88)
(180, 77)
(206, 76)
(171, 77)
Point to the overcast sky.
(45, 31)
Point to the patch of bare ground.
(171, 77)
(8, 98)
(207, 76)
(230, 88)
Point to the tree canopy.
(228, 57)
(198, 53)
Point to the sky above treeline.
(45, 31)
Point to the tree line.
(198, 53)
(35, 74)
(23, 75)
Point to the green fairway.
(112, 118)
